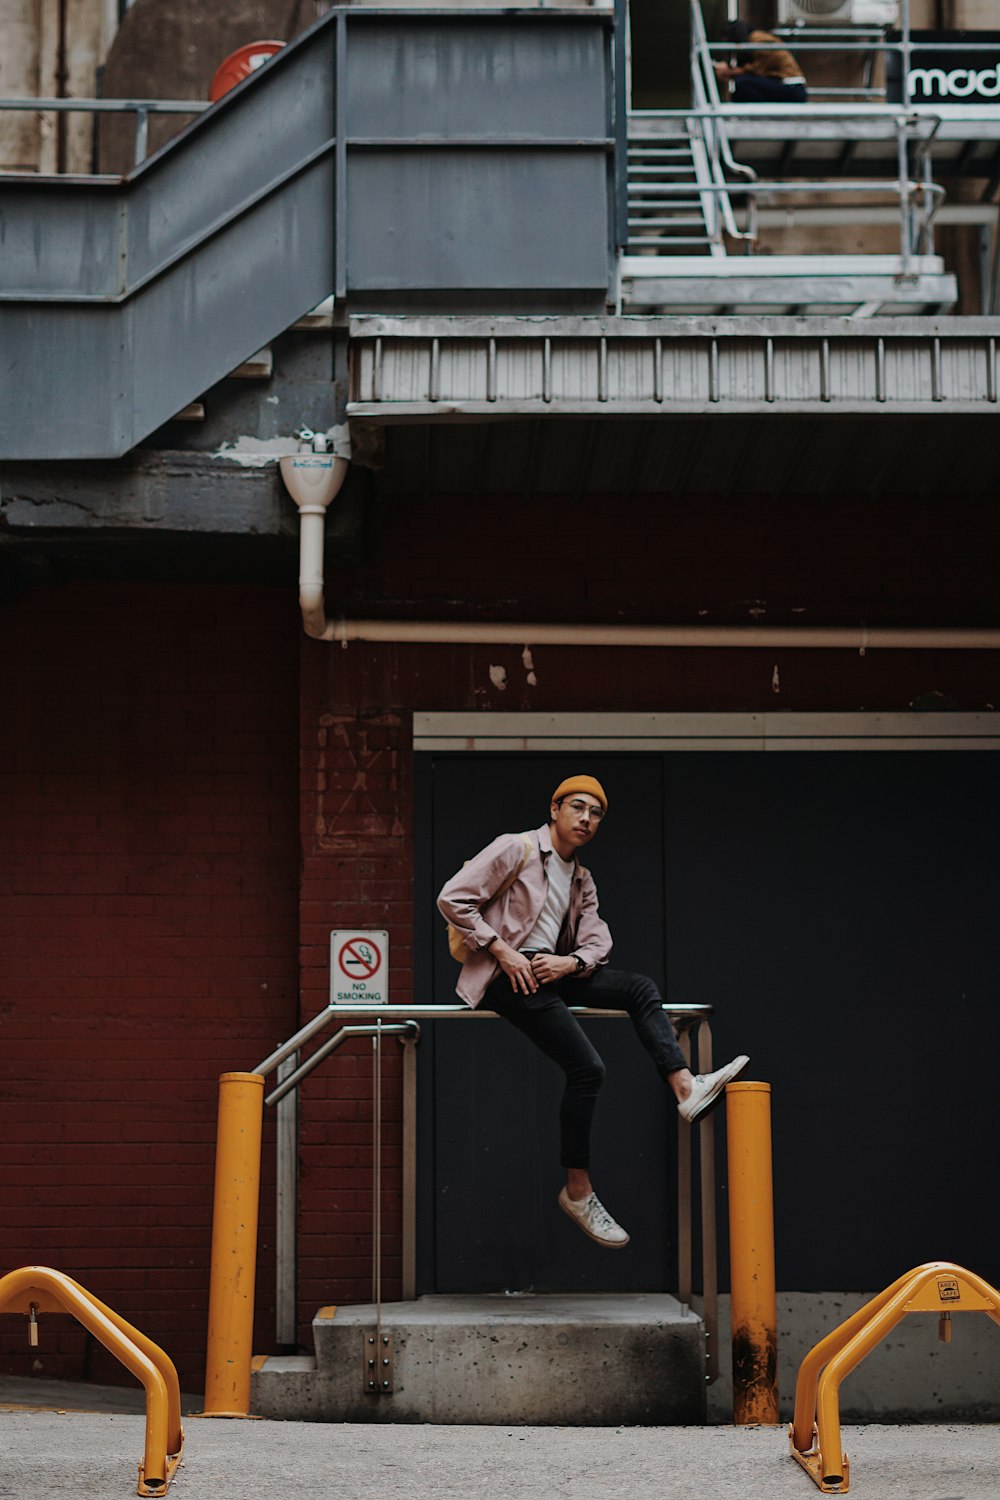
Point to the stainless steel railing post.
(409, 1247)
(709, 1248)
(684, 1281)
(286, 1208)
(377, 1181)
(905, 197)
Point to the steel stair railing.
(711, 128)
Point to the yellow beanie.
(581, 784)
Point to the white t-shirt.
(558, 875)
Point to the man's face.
(577, 818)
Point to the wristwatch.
(580, 965)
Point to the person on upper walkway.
(526, 911)
(765, 77)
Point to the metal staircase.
(692, 203)
(666, 215)
(393, 183)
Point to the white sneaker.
(708, 1088)
(594, 1219)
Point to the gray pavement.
(94, 1454)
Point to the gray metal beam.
(493, 368)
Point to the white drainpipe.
(314, 478)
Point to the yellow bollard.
(751, 1253)
(234, 1245)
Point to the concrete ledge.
(573, 1360)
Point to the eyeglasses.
(597, 813)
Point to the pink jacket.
(468, 903)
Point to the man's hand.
(517, 968)
(548, 966)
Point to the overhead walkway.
(858, 286)
(847, 139)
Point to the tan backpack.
(456, 940)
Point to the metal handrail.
(918, 201)
(705, 90)
(376, 1011)
(404, 1021)
(918, 196)
(141, 108)
(871, 41)
(792, 37)
(408, 1028)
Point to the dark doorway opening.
(838, 911)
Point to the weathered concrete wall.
(20, 74)
(909, 1377)
(42, 56)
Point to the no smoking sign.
(359, 968)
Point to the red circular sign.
(359, 958)
(239, 65)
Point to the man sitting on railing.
(525, 912)
(769, 77)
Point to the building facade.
(797, 507)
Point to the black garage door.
(838, 909)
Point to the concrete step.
(581, 1359)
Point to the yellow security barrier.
(751, 1254)
(234, 1245)
(939, 1287)
(39, 1289)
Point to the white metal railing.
(869, 43)
(709, 126)
(718, 175)
(917, 196)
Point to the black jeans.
(545, 1020)
(748, 88)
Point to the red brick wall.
(148, 887)
(356, 871)
(647, 558)
(149, 864)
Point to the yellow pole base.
(158, 1487)
(813, 1464)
